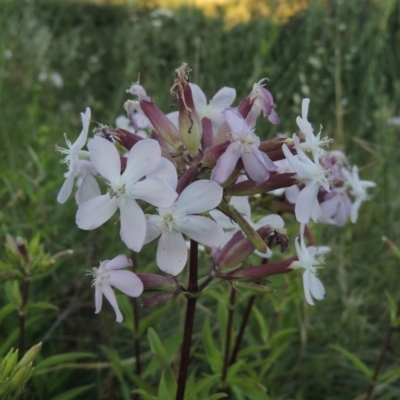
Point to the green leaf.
(7, 309)
(213, 355)
(216, 396)
(118, 370)
(266, 363)
(354, 360)
(252, 389)
(150, 319)
(390, 374)
(262, 323)
(145, 395)
(201, 385)
(392, 306)
(63, 358)
(73, 393)
(156, 346)
(42, 305)
(168, 386)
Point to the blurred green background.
(59, 57)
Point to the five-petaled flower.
(245, 145)
(125, 189)
(110, 273)
(172, 222)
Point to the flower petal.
(200, 196)
(226, 163)
(155, 192)
(81, 141)
(105, 158)
(236, 122)
(94, 212)
(222, 99)
(165, 171)
(133, 225)
(118, 262)
(255, 166)
(110, 296)
(275, 221)
(98, 298)
(202, 230)
(307, 205)
(172, 253)
(153, 229)
(66, 188)
(307, 276)
(316, 287)
(88, 189)
(143, 158)
(199, 98)
(127, 282)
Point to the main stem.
(136, 321)
(385, 346)
(189, 320)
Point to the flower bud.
(208, 135)
(159, 298)
(157, 282)
(212, 154)
(275, 181)
(126, 138)
(187, 178)
(260, 271)
(10, 363)
(161, 123)
(253, 287)
(238, 249)
(19, 380)
(30, 355)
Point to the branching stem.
(189, 320)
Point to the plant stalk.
(21, 342)
(189, 320)
(228, 334)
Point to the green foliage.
(344, 55)
(15, 375)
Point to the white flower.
(358, 190)
(213, 110)
(245, 145)
(108, 274)
(312, 143)
(313, 176)
(172, 222)
(76, 166)
(125, 189)
(313, 287)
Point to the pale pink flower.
(336, 207)
(263, 101)
(125, 189)
(179, 219)
(313, 176)
(213, 110)
(309, 261)
(312, 143)
(78, 165)
(245, 145)
(109, 274)
(358, 189)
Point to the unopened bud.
(19, 380)
(160, 298)
(187, 178)
(260, 271)
(253, 287)
(126, 138)
(10, 364)
(189, 121)
(161, 123)
(157, 282)
(30, 355)
(212, 154)
(275, 181)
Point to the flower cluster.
(203, 173)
